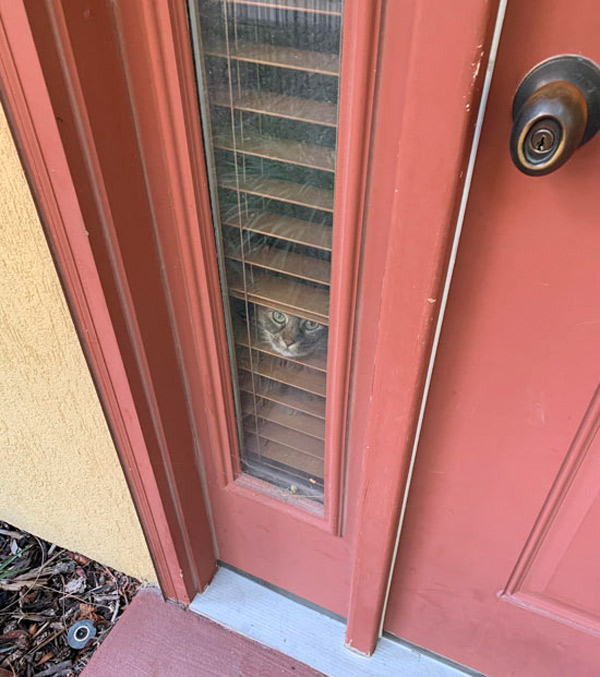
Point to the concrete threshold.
(306, 634)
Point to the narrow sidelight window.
(268, 74)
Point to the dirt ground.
(44, 590)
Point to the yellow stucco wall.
(60, 477)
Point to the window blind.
(268, 80)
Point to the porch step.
(159, 638)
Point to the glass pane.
(268, 73)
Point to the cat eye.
(310, 325)
(278, 317)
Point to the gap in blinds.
(268, 80)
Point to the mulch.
(44, 590)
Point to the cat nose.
(289, 342)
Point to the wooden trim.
(360, 47)
(26, 99)
(432, 63)
(167, 119)
(99, 137)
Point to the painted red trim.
(93, 101)
(432, 62)
(164, 105)
(360, 42)
(32, 120)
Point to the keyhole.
(541, 141)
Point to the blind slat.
(277, 105)
(278, 189)
(289, 438)
(282, 227)
(282, 261)
(276, 55)
(289, 418)
(285, 455)
(285, 395)
(329, 7)
(282, 294)
(284, 372)
(281, 150)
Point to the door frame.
(439, 57)
(105, 311)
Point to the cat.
(289, 335)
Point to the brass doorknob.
(556, 109)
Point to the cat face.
(289, 335)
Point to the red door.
(498, 559)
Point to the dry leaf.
(80, 559)
(75, 586)
(18, 637)
(17, 585)
(44, 658)
(86, 610)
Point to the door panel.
(557, 573)
(496, 567)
